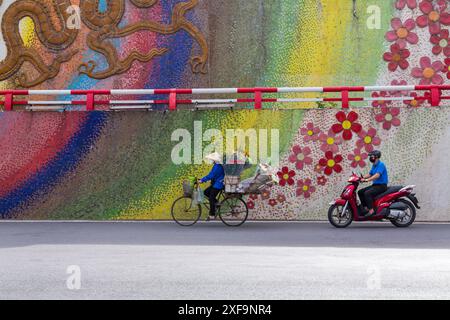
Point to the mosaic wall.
(104, 165)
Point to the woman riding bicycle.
(216, 176)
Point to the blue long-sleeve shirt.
(216, 176)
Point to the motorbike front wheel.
(338, 218)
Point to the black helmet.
(376, 154)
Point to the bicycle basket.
(232, 183)
(188, 188)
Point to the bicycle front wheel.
(233, 211)
(185, 212)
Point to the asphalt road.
(210, 261)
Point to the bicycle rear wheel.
(233, 211)
(185, 213)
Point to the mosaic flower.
(399, 93)
(310, 132)
(330, 142)
(381, 103)
(322, 180)
(368, 140)
(273, 202)
(358, 159)
(414, 102)
(331, 163)
(265, 194)
(281, 198)
(300, 157)
(305, 189)
(447, 67)
(250, 205)
(400, 4)
(428, 72)
(432, 16)
(389, 117)
(286, 177)
(253, 196)
(397, 57)
(402, 32)
(347, 124)
(441, 43)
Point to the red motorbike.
(398, 205)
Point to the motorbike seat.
(390, 190)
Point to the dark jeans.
(212, 193)
(367, 195)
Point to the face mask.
(372, 159)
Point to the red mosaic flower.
(414, 102)
(286, 176)
(273, 202)
(281, 198)
(331, 163)
(447, 67)
(397, 57)
(347, 124)
(358, 158)
(432, 16)
(305, 189)
(253, 196)
(368, 140)
(300, 157)
(382, 102)
(330, 142)
(402, 32)
(400, 4)
(441, 43)
(250, 204)
(310, 133)
(321, 181)
(429, 72)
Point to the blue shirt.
(216, 176)
(381, 169)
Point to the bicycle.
(230, 208)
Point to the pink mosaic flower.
(310, 133)
(286, 177)
(428, 72)
(441, 43)
(331, 163)
(305, 188)
(358, 159)
(400, 4)
(322, 180)
(281, 198)
(381, 103)
(414, 103)
(389, 117)
(433, 16)
(399, 93)
(273, 202)
(397, 57)
(330, 142)
(447, 67)
(347, 124)
(265, 195)
(368, 140)
(250, 205)
(300, 157)
(402, 32)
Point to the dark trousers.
(367, 195)
(212, 193)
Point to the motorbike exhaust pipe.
(397, 210)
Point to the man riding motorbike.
(379, 176)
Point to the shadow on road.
(260, 234)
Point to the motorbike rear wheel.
(409, 218)
(338, 218)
